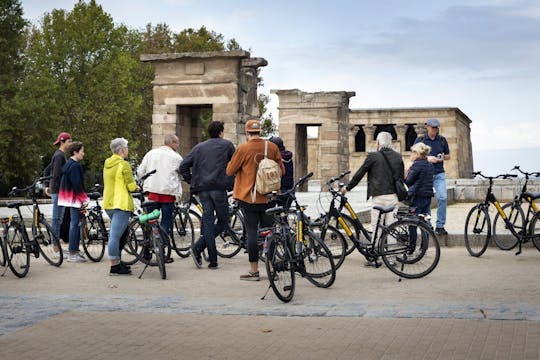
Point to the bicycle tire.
(147, 242)
(17, 252)
(409, 256)
(477, 230)
(534, 230)
(352, 226)
(3, 256)
(46, 241)
(280, 269)
(134, 242)
(93, 237)
(183, 232)
(227, 244)
(334, 240)
(502, 236)
(159, 242)
(317, 261)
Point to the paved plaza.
(468, 308)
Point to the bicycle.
(146, 238)
(522, 224)
(397, 244)
(4, 223)
(94, 233)
(295, 249)
(20, 245)
(478, 222)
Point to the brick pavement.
(124, 335)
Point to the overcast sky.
(478, 55)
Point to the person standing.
(438, 154)
(164, 186)
(118, 183)
(380, 178)
(73, 196)
(287, 180)
(54, 169)
(204, 170)
(419, 178)
(244, 165)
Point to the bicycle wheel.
(502, 235)
(334, 240)
(410, 248)
(351, 224)
(317, 261)
(280, 269)
(159, 243)
(227, 244)
(183, 232)
(534, 230)
(135, 242)
(17, 253)
(477, 230)
(46, 241)
(93, 237)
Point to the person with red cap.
(54, 169)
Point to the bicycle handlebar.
(504, 176)
(527, 174)
(14, 191)
(147, 175)
(341, 176)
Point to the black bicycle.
(94, 233)
(20, 245)
(521, 221)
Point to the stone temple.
(224, 84)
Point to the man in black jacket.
(204, 169)
(380, 177)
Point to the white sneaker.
(56, 255)
(76, 258)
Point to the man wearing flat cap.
(439, 152)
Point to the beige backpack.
(268, 176)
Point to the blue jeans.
(212, 201)
(422, 205)
(439, 183)
(74, 229)
(119, 223)
(167, 210)
(57, 214)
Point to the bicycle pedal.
(287, 288)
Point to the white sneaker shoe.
(76, 258)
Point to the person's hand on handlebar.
(343, 190)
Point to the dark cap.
(253, 126)
(278, 141)
(433, 123)
(62, 137)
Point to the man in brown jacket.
(244, 164)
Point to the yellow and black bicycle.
(478, 230)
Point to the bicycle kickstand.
(266, 293)
(519, 251)
(143, 270)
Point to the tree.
(190, 40)
(267, 120)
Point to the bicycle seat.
(94, 195)
(150, 205)
(15, 204)
(532, 195)
(274, 210)
(384, 209)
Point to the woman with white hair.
(118, 183)
(380, 177)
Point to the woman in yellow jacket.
(118, 183)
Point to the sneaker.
(169, 260)
(250, 276)
(118, 269)
(76, 258)
(374, 264)
(197, 259)
(212, 266)
(65, 252)
(56, 255)
(124, 265)
(441, 231)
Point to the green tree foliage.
(191, 40)
(267, 121)
(86, 66)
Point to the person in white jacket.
(164, 186)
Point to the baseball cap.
(253, 126)
(62, 137)
(433, 123)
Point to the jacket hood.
(68, 165)
(113, 161)
(286, 155)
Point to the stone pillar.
(401, 131)
(420, 129)
(371, 144)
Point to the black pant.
(255, 217)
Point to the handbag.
(399, 184)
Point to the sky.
(482, 56)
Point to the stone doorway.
(189, 125)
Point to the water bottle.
(150, 216)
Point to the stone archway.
(189, 84)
